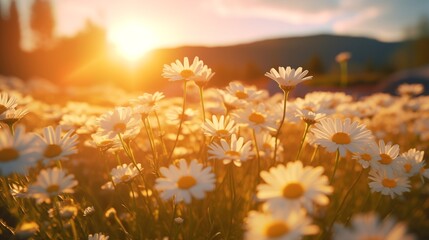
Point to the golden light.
(131, 39)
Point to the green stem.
(181, 121)
(344, 200)
(73, 227)
(337, 159)
(202, 103)
(257, 152)
(232, 188)
(161, 134)
(285, 97)
(307, 126)
(314, 154)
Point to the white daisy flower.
(369, 226)
(12, 115)
(51, 183)
(237, 151)
(341, 135)
(98, 236)
(256, 117)
(54, 146)
(388, 183)
(147, 103)
(122, 120)
(412, 161)
(185, 181)
(221, 128)
(125, 173)
(177, 71)
(294, 186)
(387, 160)
(7, 102)
(243, 94)
(369, 153)
(204, 76)
(288, 78)
(18, 152)
(292, 225)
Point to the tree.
(42, 23)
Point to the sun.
(131, 39)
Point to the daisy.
(387, 159)
(147, 103)
(26, 230)
(294, 186)
(237, 151)
(7, 102)
(174, 115)
(204, 76)
(343, 57)
(410, 89)
(292, 225)
(256, 117)
(243, 94)
(412, 161)
(369, 226)
(51, 183)
(98, 236)
(11, 116)
(341, 135)
(288, 78)
(387, 183)
(368, 153)
(266, 145)
(309, 116)
(122, 120)
(221, 128)
(57, 147)
(185, 181)
(18, 152)
(177, 71)
(125, 173)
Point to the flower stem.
(181, 121)
(307, 126)
(337, 159)
(285, 97)
(202, 103)
(257, 152)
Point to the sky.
(173, 23)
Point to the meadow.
(216, 163)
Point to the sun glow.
(131, 39)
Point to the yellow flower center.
(125, 178)
(257, 118)
(385, 159)
(341, 138)
(233, 154)
(187, 73)
(186, 182)
(222, 132)
(276, 229)
(2, 109)
(293, 190)
(52, 188)
(389, 183)
(407, 167)
(366, 157)
(52, 150)
(241, 95)
(120, 127)
(8, 154)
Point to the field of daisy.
(229, 163)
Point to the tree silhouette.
(10, 42)
(42, 23)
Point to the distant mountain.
(250, 61)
